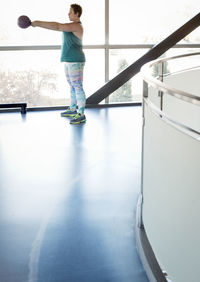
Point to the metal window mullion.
(107, 45)
(100, 46)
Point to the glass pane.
(93, 21)
(131, 90)
(11, 34)
(148, 21)
(94, 77)
(182, 63)
(37, 77)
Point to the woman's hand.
(34, 23)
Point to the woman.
(74, 58)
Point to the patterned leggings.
(74, 75)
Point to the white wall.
(171, 190)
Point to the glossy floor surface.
(68, 195)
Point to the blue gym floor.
(68, 196)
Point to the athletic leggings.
(74, 75)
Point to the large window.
(10, 34)
(37, 77)
(143, 21)
(30, 67)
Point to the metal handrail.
(165, 88)
(162, 60)
(166, 118)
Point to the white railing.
(170, 196)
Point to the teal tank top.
(71, 50)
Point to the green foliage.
(124, 93)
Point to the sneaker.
(78, 119)
(69, 113)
